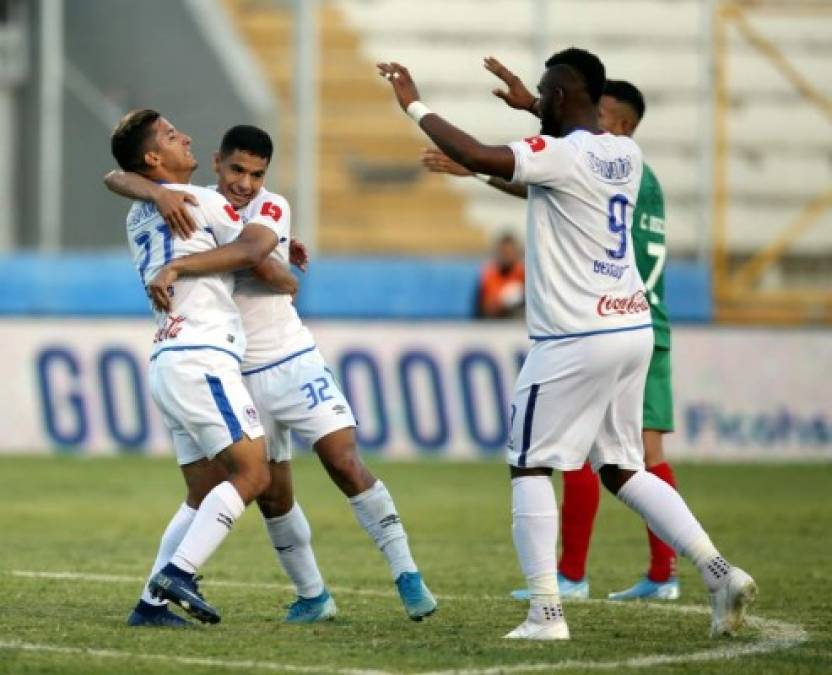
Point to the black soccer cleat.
(155, 616)
(176, 585)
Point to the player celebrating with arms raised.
(621, 109)
(579, 393)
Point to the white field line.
(774, 635)
(183, 660)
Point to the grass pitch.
(104, 516)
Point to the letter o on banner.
(354, 365)
(410, 364)
(53, 365)
(483, 403)
(110, 363)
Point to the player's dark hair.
(131, 137)
(587, 64)
(247, 138)
(628, 93)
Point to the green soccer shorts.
(658, 393)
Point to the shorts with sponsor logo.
(579, 399)
(204, 403)
(658, 393)
(297, 393)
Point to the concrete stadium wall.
(136, 54)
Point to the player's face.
(173, 148)
(551, 103)
(240, 176)
(613, 117)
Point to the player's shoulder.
(265, 196)
(204, 195)
(268, 204)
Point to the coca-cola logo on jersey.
(610, 305)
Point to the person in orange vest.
(500, 293)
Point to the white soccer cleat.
(729, 602)
(545, 621)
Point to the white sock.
(175, 531)
(534, 528)
(376, 512)
(216, 516)
(291, 537)
(667, 514)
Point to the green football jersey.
(651, 252)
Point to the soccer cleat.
(176, 585)
(312, 610)
(145, 614)
(568, 589)
(729, 602)
(417, 599)
(646, 589)
(545, 621)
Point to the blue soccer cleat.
(568, 589)
(417, 599)
(312, 610)
(176, 585)
(145, 614)
(645, 589)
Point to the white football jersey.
(273, 328)
(581, 274)
(203, 313)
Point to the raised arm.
(249, 250)
(494, 160)
(437, 161)
(516, 95)
(172, 204)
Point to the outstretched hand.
(516, 96)
(438, 162)
(172, 205)
(403, 85)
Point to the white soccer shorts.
(580, 399)
(297, 393)
(204, 403)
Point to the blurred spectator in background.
(500, 293)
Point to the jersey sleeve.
(272, 211)
(543, 160)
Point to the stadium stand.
(657, 44)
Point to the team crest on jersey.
(536, 143)
(251, 414)
(232, 213)
(271, 210)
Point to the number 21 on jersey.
(144, 239)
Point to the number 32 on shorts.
(316, 392)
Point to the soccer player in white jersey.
(292, 388)
(194, 373)
(580, 391)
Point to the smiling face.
(169, 153)
(240, 176)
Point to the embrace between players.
(232, 362)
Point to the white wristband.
(417, 110)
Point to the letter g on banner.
(54, 364)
